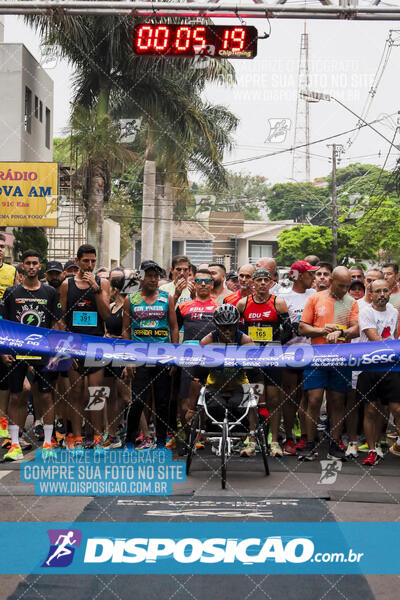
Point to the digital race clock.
(220, 41)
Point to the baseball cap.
(261, 273)
(355, 282)
(54, 265)
(302, 266)
(150, 264)
(70, 263)
(231, 275)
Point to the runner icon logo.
(62, 547)
(97, 397)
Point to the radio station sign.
(28, 194)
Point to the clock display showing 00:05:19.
(219, 41)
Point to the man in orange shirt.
(330, 316)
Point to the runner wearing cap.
(149, 316)
(302, 274)
(70, 268)
(232, 281)
(356, 289)
(54, 274)
(267, 321)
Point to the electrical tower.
(301, 157)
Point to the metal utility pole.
(301, 161)
(337, 149)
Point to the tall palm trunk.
(149, 194)
(95, 218)
(99, 175)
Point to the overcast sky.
(343, 60)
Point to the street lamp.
(313, 97)
(310, 96)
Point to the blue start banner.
(201, 548)
(26, 341)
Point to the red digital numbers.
(234, 39)
(162, 37)
(189, 40)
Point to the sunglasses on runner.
(207, 280)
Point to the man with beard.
(218, 273)
(54, 274)
(323, 277)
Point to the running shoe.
(297, 427)
(24, 444)
(275, 449)
(78, 445)
(335, 452)
(48, 451)
(171, 442)
(147, 444)
(6, 443)
(249, 449)
(200, 442)
(39, 431)
(363, 448)
(112, 443)
(308, 453)
(378, 450)
(14, 453)
(238, 447)
(395, 449)
(60, 437)
(98, 444)
(3, 427)
(372, 459)
(88, 443)
(139, 438)
(351, 450)
(290, 448)
(341, 445)
(69, 441)
(302, 443)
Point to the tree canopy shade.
(28, 238)
(296, 201)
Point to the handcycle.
(226, 414)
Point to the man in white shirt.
(302, 275)
(379, 322)
(180, 287)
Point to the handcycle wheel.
(262, 438)
(224, 453)
(195, 427)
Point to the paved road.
(293, 492)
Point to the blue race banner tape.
(201, 548)
(29, 341)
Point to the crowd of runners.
(148, 407)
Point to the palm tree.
(108, 73)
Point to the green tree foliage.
(296, 243)
(30, 238)
(243, 193)
(296, 201)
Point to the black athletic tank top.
(114, 322)
(82, 315)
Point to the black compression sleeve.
(287, 328)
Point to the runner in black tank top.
(119, 388)
(85, 300)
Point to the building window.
(28, 110)
(259, 250)
(47, 128)
(36, 107)
(41, 111)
